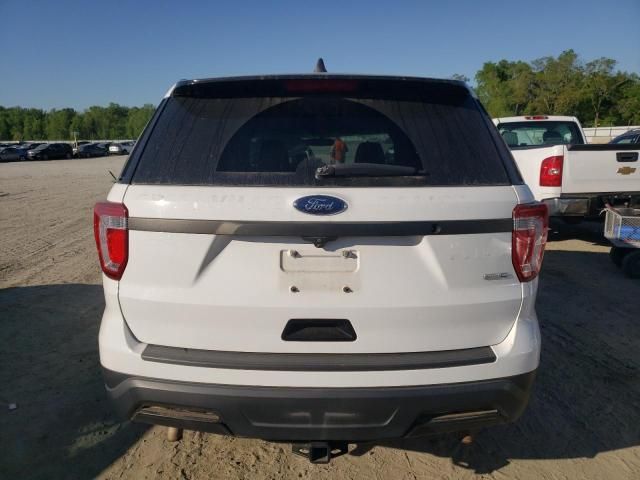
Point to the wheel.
(631, 264)
(617, 254)
(67, 156)
(22, 159)
(45, 157)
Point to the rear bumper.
(310, 414)
(588, 204)
(558, 207)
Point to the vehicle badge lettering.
(320, 205)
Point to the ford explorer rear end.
(320, 258)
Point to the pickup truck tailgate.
(600, 169)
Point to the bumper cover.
(567, 206)
(314, 414)
(588, 204)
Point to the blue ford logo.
(320, 205)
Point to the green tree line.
(111, 122)
(593, 91)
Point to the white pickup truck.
(574, 179)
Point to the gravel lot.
(583, 420)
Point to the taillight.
(551, 171)
(529, 237)
(321, 85)
(112, 237)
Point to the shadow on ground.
(586, 397)
(63, 426)
(589, 231)
(585, 402)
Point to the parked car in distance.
(31, 145)
(280, 257)
(12, 154)
(50, 151)
(121, 148)
(78, 144)
(75, 147)
(630, 137)
(575, 179)
(90, 150)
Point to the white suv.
(121, 148)
(320, 259)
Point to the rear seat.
(370, 152)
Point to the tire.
(45, 157)
(21, 159)
(67, 156)
(617, 254)
(631, 264)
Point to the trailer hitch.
(320, 452)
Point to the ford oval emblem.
(320, 205)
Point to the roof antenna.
(320, 68)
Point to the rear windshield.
(627, 138)
(284, 140)
(540, 133)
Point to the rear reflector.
(186, 414)
(529, 237)
(449, 422)
(181, 417)
(551, 171)
(112, 237)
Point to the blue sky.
(61, 53)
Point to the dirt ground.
(583, 420)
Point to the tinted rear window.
(539, 133)
(626, 139)
(282, 140)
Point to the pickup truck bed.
(573, 179)
(592, 177)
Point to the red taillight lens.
(551, 171)
(529, 237)
(112, 237)
(321, 85)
